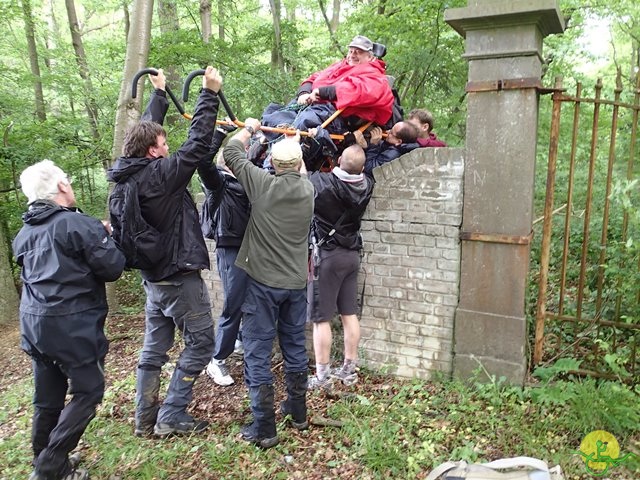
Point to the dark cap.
(361, 42)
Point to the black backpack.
(142, 244)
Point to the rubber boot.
(262, 431)
(147, 390)
(296, 402)
(173, 417)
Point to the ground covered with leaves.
(380, 428)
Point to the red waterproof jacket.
(362, 90)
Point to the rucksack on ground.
(142, 244)
(516, 468)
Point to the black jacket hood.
(40, 211)
(124, 167)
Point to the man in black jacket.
(224, 218)
(401, 139)
(66, 258)
(341, 198)
(177, 297)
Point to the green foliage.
(612, 406)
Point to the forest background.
(66, 69)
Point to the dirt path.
(14, 363)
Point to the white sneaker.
(219, 372)
(238, 348)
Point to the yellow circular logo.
(599, 449)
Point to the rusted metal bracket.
(497, 238)
(507, 84)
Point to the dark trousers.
(57, 427)
(234, 284)
(268, 311)
(182, 302)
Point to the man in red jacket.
(357, 85)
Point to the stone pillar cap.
(491, 14)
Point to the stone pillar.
(503, 45)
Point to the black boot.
(296, 403)
(173, 417)
(147, 389)
(262, 431)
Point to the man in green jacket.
(274, 255)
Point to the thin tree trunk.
(277, 60)
(221, 20)
(33, 59)
(323, 10)
(51, 39)
(128, 110)
(90, 103)
(136, 58)
(168, 16)
(9, 299)
(205, 20)
(335, 16)
(127, 19)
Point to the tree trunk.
(90, 104)
(9, 299)
(136, 58)
(221, 19)
(168, 16)
(128, 110)
(33, 59)
(205, 20)
(51, 39)
(127, 19)
(277, 60)
(335, 16)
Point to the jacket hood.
(125, 167)
(40, 210)
(352, 187)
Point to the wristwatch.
(250, 129)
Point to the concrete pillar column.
(503, 45)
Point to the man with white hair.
(274, 255)
(66, 258)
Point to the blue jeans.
(180, 301)
(234, 285)
(267, 311)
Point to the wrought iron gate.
(588, 305)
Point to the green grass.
(395, 429)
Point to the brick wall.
(411, 264)
(410, 269)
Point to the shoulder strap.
(333, 230)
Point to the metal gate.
(588, 305)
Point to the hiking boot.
(295, 406)
(316, 384)
(262, 431)
(286, 411)
(347, 378)
(249, 433)
(219, 372)
(144, 430)
(75, 459)
(238, 348)
(75, 474)
(180, 428)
